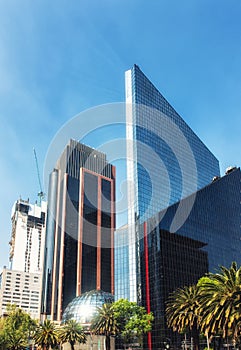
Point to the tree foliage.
(72, 332)
(220, 301)
(122, 318)
(105, 323)
(132, 320)
(16, 328)
(213, 305)
(182, 311)
(46, 335)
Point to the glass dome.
(83, 308)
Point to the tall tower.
(166, 161)
(28, 236)
(79, 253)
(22, 283)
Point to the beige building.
(22, 289)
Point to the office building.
(22, 289)
(210, 237)
(79, 254)
(28, 236)
(166, 161)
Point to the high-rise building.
(166, 161)
(22, 289)
(79, 254)
(22, 283)
(210, 237)
(28, 236)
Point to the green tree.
(2, 334)
(46, 335)
(72, 332)
(104, 323)
(15, 341)
(182, 312)
(132, 320)
(17, 328)
(221, 302)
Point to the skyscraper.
(22, 283)
(210, 237)
(166, 161)
(79, 253)
(28, 236)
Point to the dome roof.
(83, 308)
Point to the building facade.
(79, 250)
(121, 263)
(210, 237)
(22, 289)
(22, 283)
(166, 161)
(28, 236)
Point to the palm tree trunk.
(72, 345)
(207, 342)
(107, 342)
(195, 334)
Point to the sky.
(59, 58)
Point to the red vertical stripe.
(112, 228)
(80, 232)
(98, 266)
(148, 303)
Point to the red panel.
(148, 304)
(98, 267)
(80, 233)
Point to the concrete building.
(28, 236)
(21, 284)
(22, 289)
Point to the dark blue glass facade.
(166, 161)
(210, 237)
(161, 138)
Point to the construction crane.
(41, 194)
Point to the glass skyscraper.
(210, 237)
(79, 249)
(166, 161)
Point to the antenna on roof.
(41, 194)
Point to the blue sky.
(58, 58)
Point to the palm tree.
(72, 332)
(46, 335)
(182, 312)
(104, 323)
(221, 301)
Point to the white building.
(28, 236)
(22, 289)
(22, 283)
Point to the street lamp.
(167, 343)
